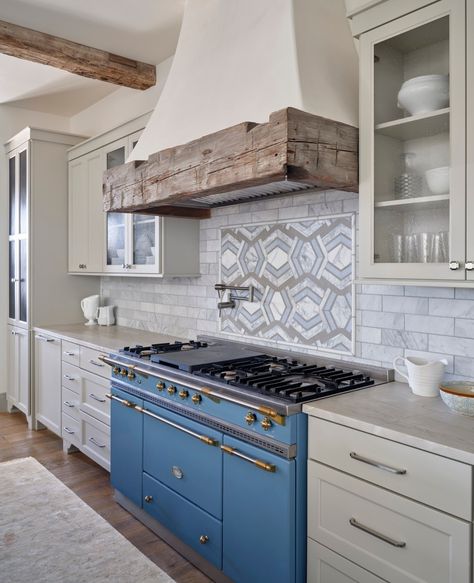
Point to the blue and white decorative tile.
(302, 274)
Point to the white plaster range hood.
(240, 60)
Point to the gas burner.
(291, 381)
(139, 351)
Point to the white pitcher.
(424, 376)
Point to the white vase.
(423, 376)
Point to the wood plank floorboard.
(91, 483)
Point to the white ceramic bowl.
(424, 94)
(459, 396)
(438, 180)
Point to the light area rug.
(49, 535)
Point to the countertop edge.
(391, 434)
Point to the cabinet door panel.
(48, 381)
(13, 364)
(126, 464)
(24, 399)
(259, 507)
(412, 223)
(78, 215)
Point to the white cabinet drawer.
(89, 360)
(397, 539)
(325, 566)
(95, 440)
(70, 403)
(71, 377)
(429, 478)
(92, 395)
(71, 429)
(70, 352)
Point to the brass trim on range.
(204, 438)
(214, 396)
(259, 463)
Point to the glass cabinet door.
(116, 222)
(18, 237)
(412, 146)
(145, 248)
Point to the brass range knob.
(123, 372)
(160, 385)
(196, 398)
(148, 499)
(183, 394)
(131, 374)
(116, 370)
(266, 423)
(171, 390)
(250, 418)
(203, 539)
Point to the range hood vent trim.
(294, 151)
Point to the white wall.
(120, 106)
(12, 120)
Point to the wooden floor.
(91, 483)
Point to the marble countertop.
(105, 338)
(392, 411)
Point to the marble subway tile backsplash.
(390, 320)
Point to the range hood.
(288, 66)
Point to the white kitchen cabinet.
(18, 388)
(375, 505)
(39, 289)
(407, 231)
(122, 243)
(48, 381)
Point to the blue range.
(209, 449)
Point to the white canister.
(105, 316)
(423, 376)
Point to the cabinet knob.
(469, 265)
(148, 499)
(171, 390)
(203, 539)
(453, 265)
(266, 423)
(196, 399)
(82, 266)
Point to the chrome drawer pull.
(44, 338)
(379, 465)
(213, 395)
(69, 377)
(66, 353)
(96, 363)
(67, 430)
(203, 438)
(92, 440)
(259, 463)
(96, 398)
(68, 404)
(386, 539)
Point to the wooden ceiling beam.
(31, 45)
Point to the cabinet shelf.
(411, 203)
(416, 126)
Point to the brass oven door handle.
(259, 463)
(375, 464)
(203, 438)
(121, 401)
(386, 539)
(277, 417)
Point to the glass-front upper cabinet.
(18, 236)
(131, 238)
(412, 158)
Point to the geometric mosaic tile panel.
(302, 274)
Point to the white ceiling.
(145, 30)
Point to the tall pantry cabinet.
(40, 291)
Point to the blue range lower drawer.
(192, 525)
